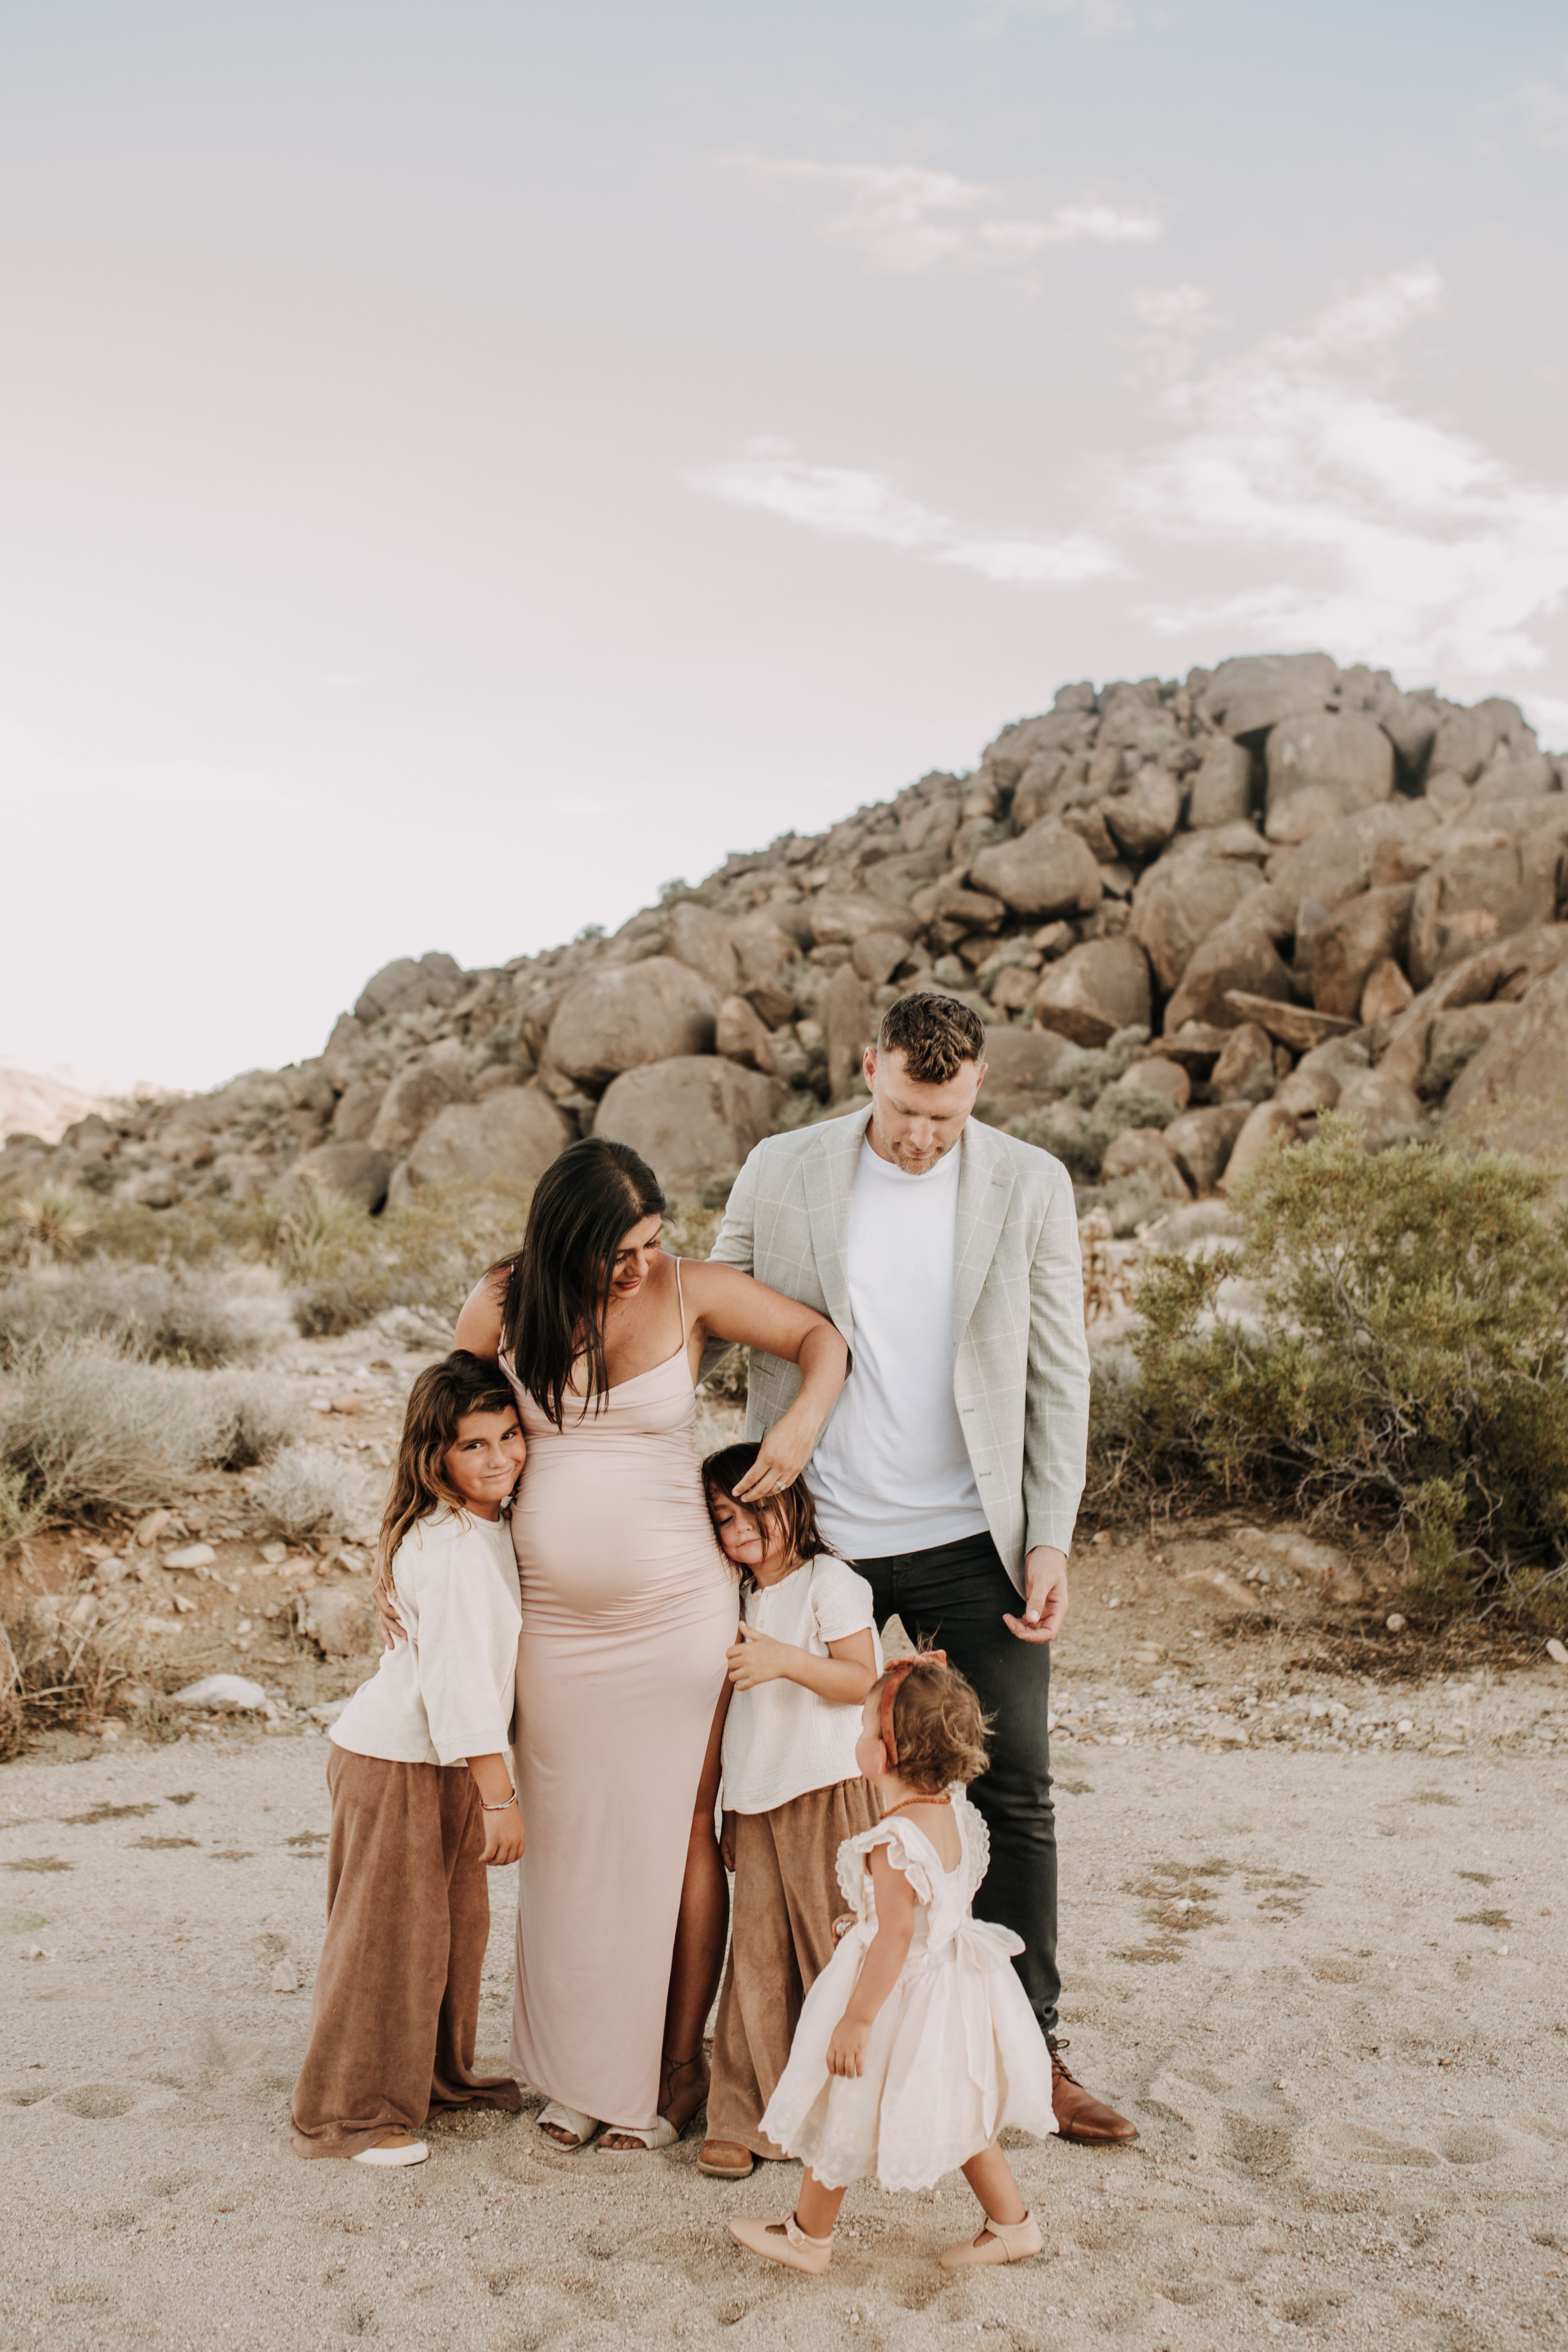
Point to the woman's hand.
(392, 1629)
(503, 1837)
(780, 1457)
(759, 1658)
(846, 2051)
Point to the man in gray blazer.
(950, 1471)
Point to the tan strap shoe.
(785, 2241)
(998, 2241)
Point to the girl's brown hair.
(938, 1726)
(438, 1401)
(792, 1514)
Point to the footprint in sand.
(101, 2102)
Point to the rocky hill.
(44, 1102)
(1193, 916)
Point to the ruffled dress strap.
(908, 1849)
(974, 1836)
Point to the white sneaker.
(392, 2148)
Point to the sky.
(464, 465)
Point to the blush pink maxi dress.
(628, 1606)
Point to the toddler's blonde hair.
(938, 1724)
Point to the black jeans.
(953, 1597)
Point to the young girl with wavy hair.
(805, 1654)
(423, 1802)
(916, 2046)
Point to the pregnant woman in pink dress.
(628, 1606)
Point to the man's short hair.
(934, 1034)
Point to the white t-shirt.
(447, 1692)
(892, 1472)
(779, 1740)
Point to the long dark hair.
(558, 1285)
(460, 1383)
(792, 1514)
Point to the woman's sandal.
(660, 2133)
(785, 2241)
(998, 2241)
(563, 2127)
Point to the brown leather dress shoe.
(1080, 2116)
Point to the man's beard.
(915, 1163)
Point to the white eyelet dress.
(955, 2054)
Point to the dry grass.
(86, 1432)
(176, 1315)
(307, 1491)
(343, 1267)
(255, 1415)
(64, 1665)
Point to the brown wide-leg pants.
(396, 2003)
(781, 1939)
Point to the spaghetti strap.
(680, 1304)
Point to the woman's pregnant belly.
(615, 1539)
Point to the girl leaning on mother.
(629, 1608)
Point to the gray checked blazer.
(1020, 1368)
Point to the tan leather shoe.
(1079, 2116)
(998, 2241)
(725, 2160)
(786, 2243)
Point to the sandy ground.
(1329, 1987)
(1311, 1936)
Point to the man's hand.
(1045, 1596)
(726, 1840)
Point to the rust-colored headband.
(893, 1682)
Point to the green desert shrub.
(1405, 1357)
(1081, 1150)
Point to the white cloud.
(904, 218)
(1544, 107)
(1390, 535)
(1345, 519)
(1093, 15)
(842, 502)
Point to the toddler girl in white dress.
(916, 2046)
